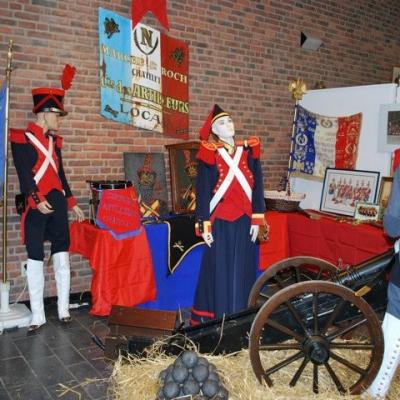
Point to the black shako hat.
(50, 99)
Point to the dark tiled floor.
(57, 362)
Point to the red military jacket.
(28, 159)
(234, 203)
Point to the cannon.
(305, 311)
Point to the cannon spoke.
(279, 281)
(347, 363)
(284, 329)
(281, 346)
(298, 373)
(352, 346)
(334, 315)
(315, 378)
(284, 363)
(346, 329)
(315, 312)
(296, 316)
(335, 378)
(263, 297)
(319, 274)
(297, 274)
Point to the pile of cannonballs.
(192, 375)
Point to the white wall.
(341, 102)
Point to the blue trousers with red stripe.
(227, 272)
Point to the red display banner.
(119, 212)
(175, 87)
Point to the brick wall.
(242, 55)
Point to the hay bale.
(137, 378)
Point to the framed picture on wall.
(389, 127)
(147, 172)
(343, 188)
(183, 170)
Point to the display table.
(340, 243)
(277, 247)
(122, 276)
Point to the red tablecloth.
(122, 269)
(338, 242)
(277, 247)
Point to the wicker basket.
(281, 205)
(276, 200)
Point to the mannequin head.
(224, 128)
(48, 121)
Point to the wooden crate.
(145, 325)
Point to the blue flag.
(303, 155)
(2, 134)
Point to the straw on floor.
(137, 378)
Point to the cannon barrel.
(364, 272)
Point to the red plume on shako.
(52, 99)
(67, 76)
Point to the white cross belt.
(234, 172)
(48, 156)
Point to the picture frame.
(365, 212)
(183, 173)
(147, 173)
(389, 127)
(385, 188)
(343, 188)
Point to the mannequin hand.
(208, 238)
(78, 213)
(44, 207)
(254, 232)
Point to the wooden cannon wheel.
(316, 342)
(287, 272)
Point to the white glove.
(45, 207)
(78, 213)
(208, 238)
(254, 232)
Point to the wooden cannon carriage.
(305, 310)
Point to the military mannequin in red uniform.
(229, 210)
(38, 161)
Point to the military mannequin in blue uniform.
(229, 210)
(38, 161)
(391, 321)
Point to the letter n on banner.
(175, 87)
(146, 82)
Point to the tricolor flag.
(320, 142)
(144, 76)
(3, 92)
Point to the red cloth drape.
(339, 243)
(122, 269)
(277, 247)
